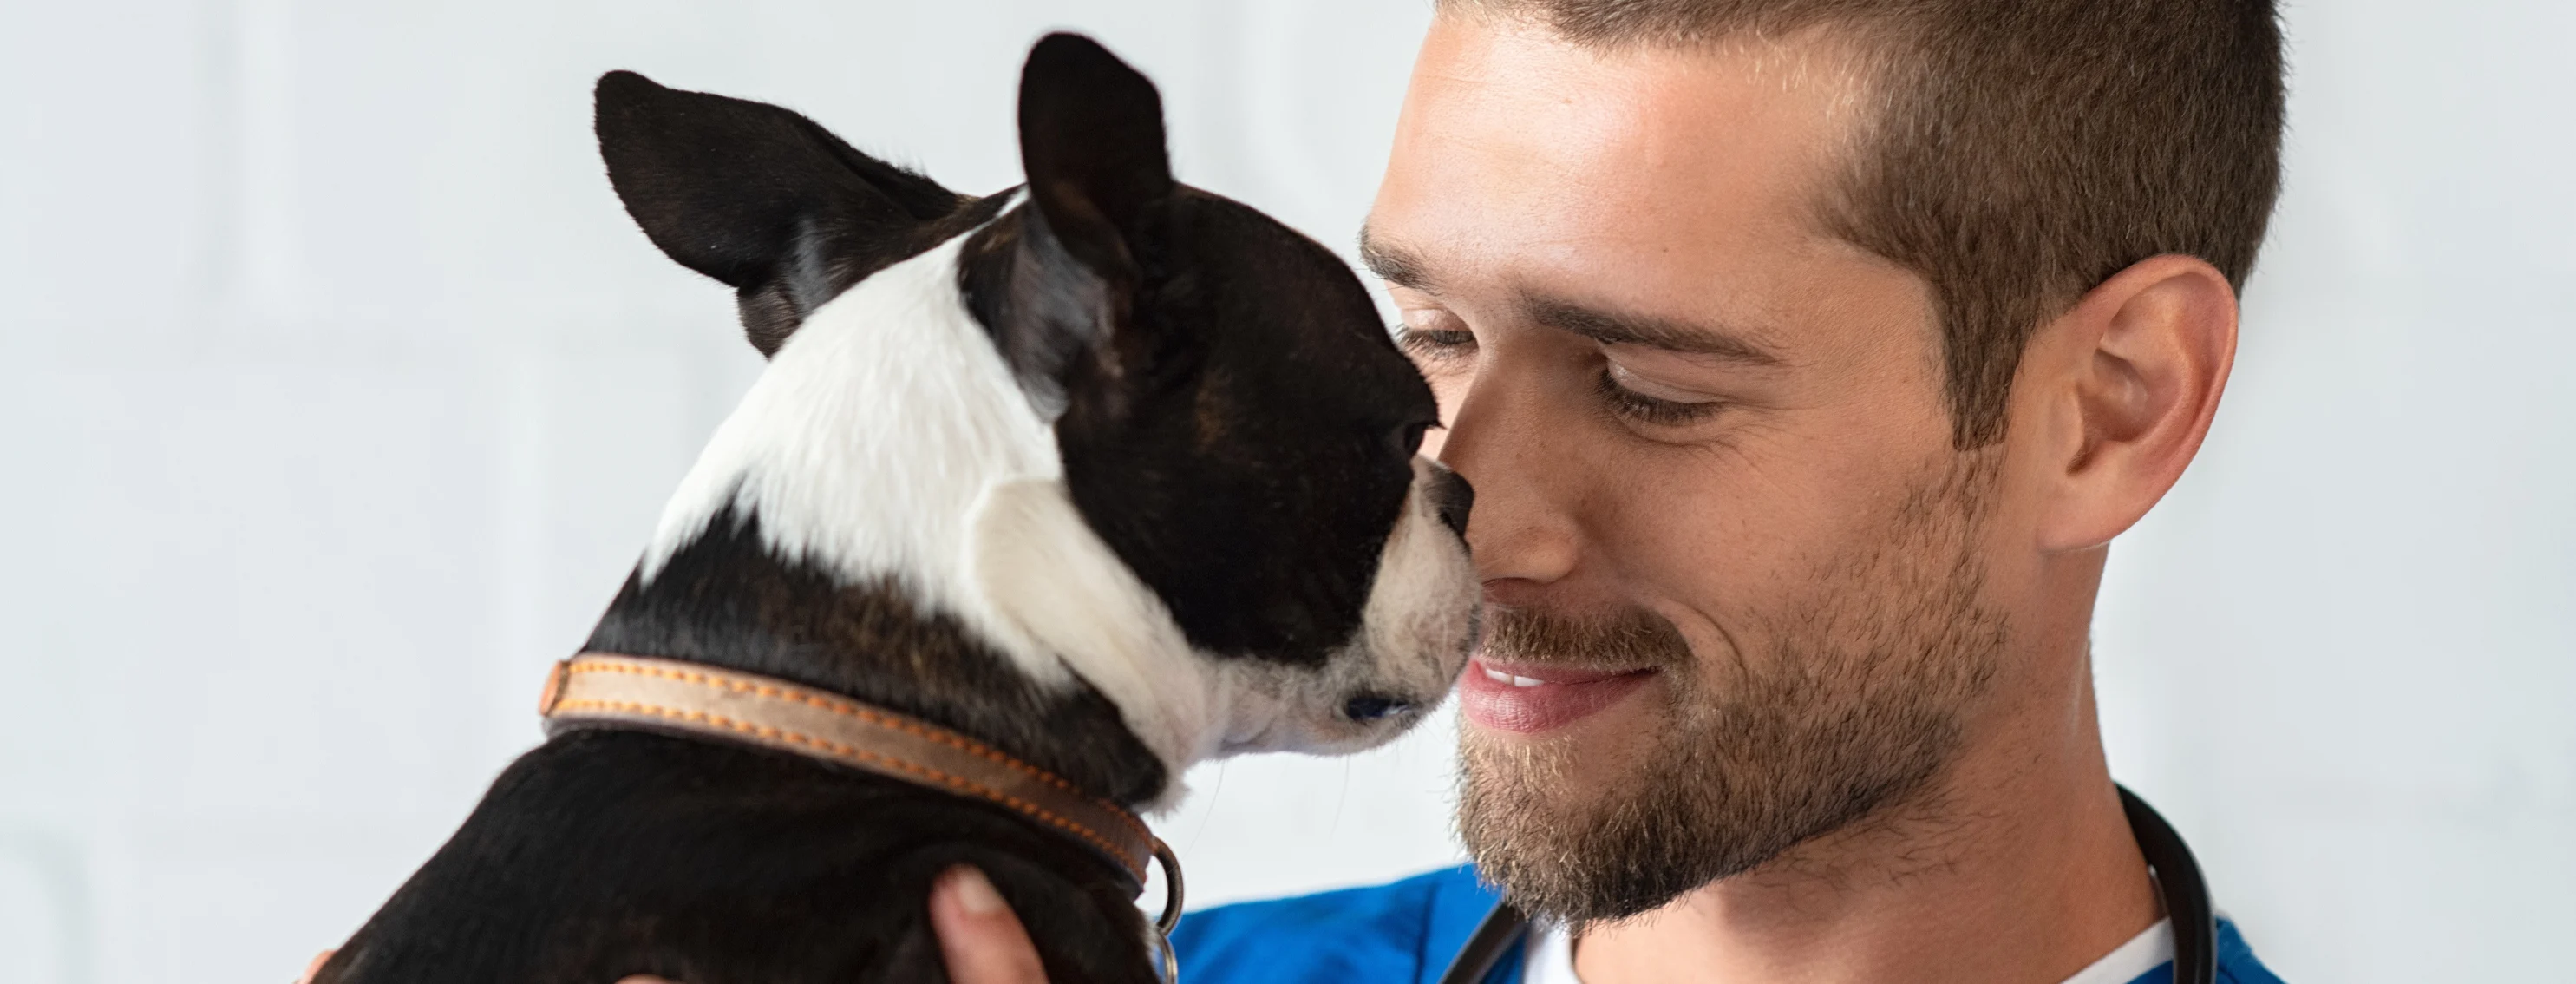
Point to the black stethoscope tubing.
(2178, 885)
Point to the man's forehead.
(1659, 176)
(1610, 124)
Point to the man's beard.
(1853, 705)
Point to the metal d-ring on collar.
(1171, 917)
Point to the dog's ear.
(758, 197)
(1091, 142)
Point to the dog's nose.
(1451, 496)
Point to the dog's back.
(1111, 474)
(608, 853)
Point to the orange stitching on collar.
(952, 740)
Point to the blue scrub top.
(1408, 930)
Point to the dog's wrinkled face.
(1176, 412)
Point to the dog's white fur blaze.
(887, 440)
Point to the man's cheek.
(1702, 549)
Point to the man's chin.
(1552, 814)
(1570, 766)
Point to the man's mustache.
(1627, 638)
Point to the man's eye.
(1633, 405)
(1436, 345)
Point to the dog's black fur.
(1234, 424)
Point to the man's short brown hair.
(2023, 151)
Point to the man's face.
(1730, 555)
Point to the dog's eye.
(1407, 440)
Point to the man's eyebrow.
(1393, 264)
(1650, 331)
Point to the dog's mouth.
(1372, 708)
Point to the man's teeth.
(1499, 676)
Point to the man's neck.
(2017, 867)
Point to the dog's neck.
(884, 516)
(866, 446)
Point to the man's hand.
(980, 938)
(983, 942)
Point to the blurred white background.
(338, 394)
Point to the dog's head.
(1124, 429)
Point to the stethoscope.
(2178, 884)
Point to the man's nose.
(1504, 438)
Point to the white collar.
(1551, 956)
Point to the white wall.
(338, 394)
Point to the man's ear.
(2131, 377)
(758, 197)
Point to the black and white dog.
(1110, 473)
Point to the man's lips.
(1530, 698)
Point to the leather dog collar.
(614, 690)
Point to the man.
(1805, 355)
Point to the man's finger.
(982, 941)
